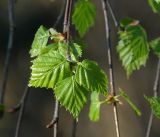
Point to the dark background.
(30, 14)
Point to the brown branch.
(155, 89)
(21, 107)
(74, 128)
(55, 116)
(66, 31)
(60, 14)
(110, 61)
(8, 54)
(116, 23)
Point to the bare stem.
(9, 48)
(60, 14)
(21, 112)
(112, 13)
(110, 61)
(155, 90)
(74, 128)
(56, 118)
(66, 31)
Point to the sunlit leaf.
(71, 95)
(48, 69)
(75, 50)
(94, 111)
(154, 104)
(40, 41)
(133, 47)
(91, 76)
(128, 100)
(84, 16)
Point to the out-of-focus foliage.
(84, 16)
(133, 48)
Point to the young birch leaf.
(40, 41)
(84, 16)
(133, 47)
(91, 76)
(71, 95)
(75, 50)
(48, 69)
(155, 5)
(155, 45)
(52, 46)
(94, 111)
(128, 100)
(154, 104)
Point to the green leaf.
(155, 5)
(154, 104)
(94, 111)
(80, 41)
(91, 76)
(133, 48)
(40, 41)
(48, 69)
(84, 16)
(53, 46)
(125, 22)
(128, 100)
(71, 95)
(155, 45)
(75, 50)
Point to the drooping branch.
(21, 107)
(8, 54)
(74, 128)
(110, 61)
(116, 23)
(155, 90)
(60, 14)
(54, 121)
(66, 25)
(66, 32)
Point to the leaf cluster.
(71, 80)
(133, 46)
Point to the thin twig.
(23, 98)
(155, 89)
(21, 112)
(66, 31)
(9, 48)
(110, 61)
(74, 128)
(116, 23)
(55, 116)
(60, 14)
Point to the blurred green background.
(30, 14)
